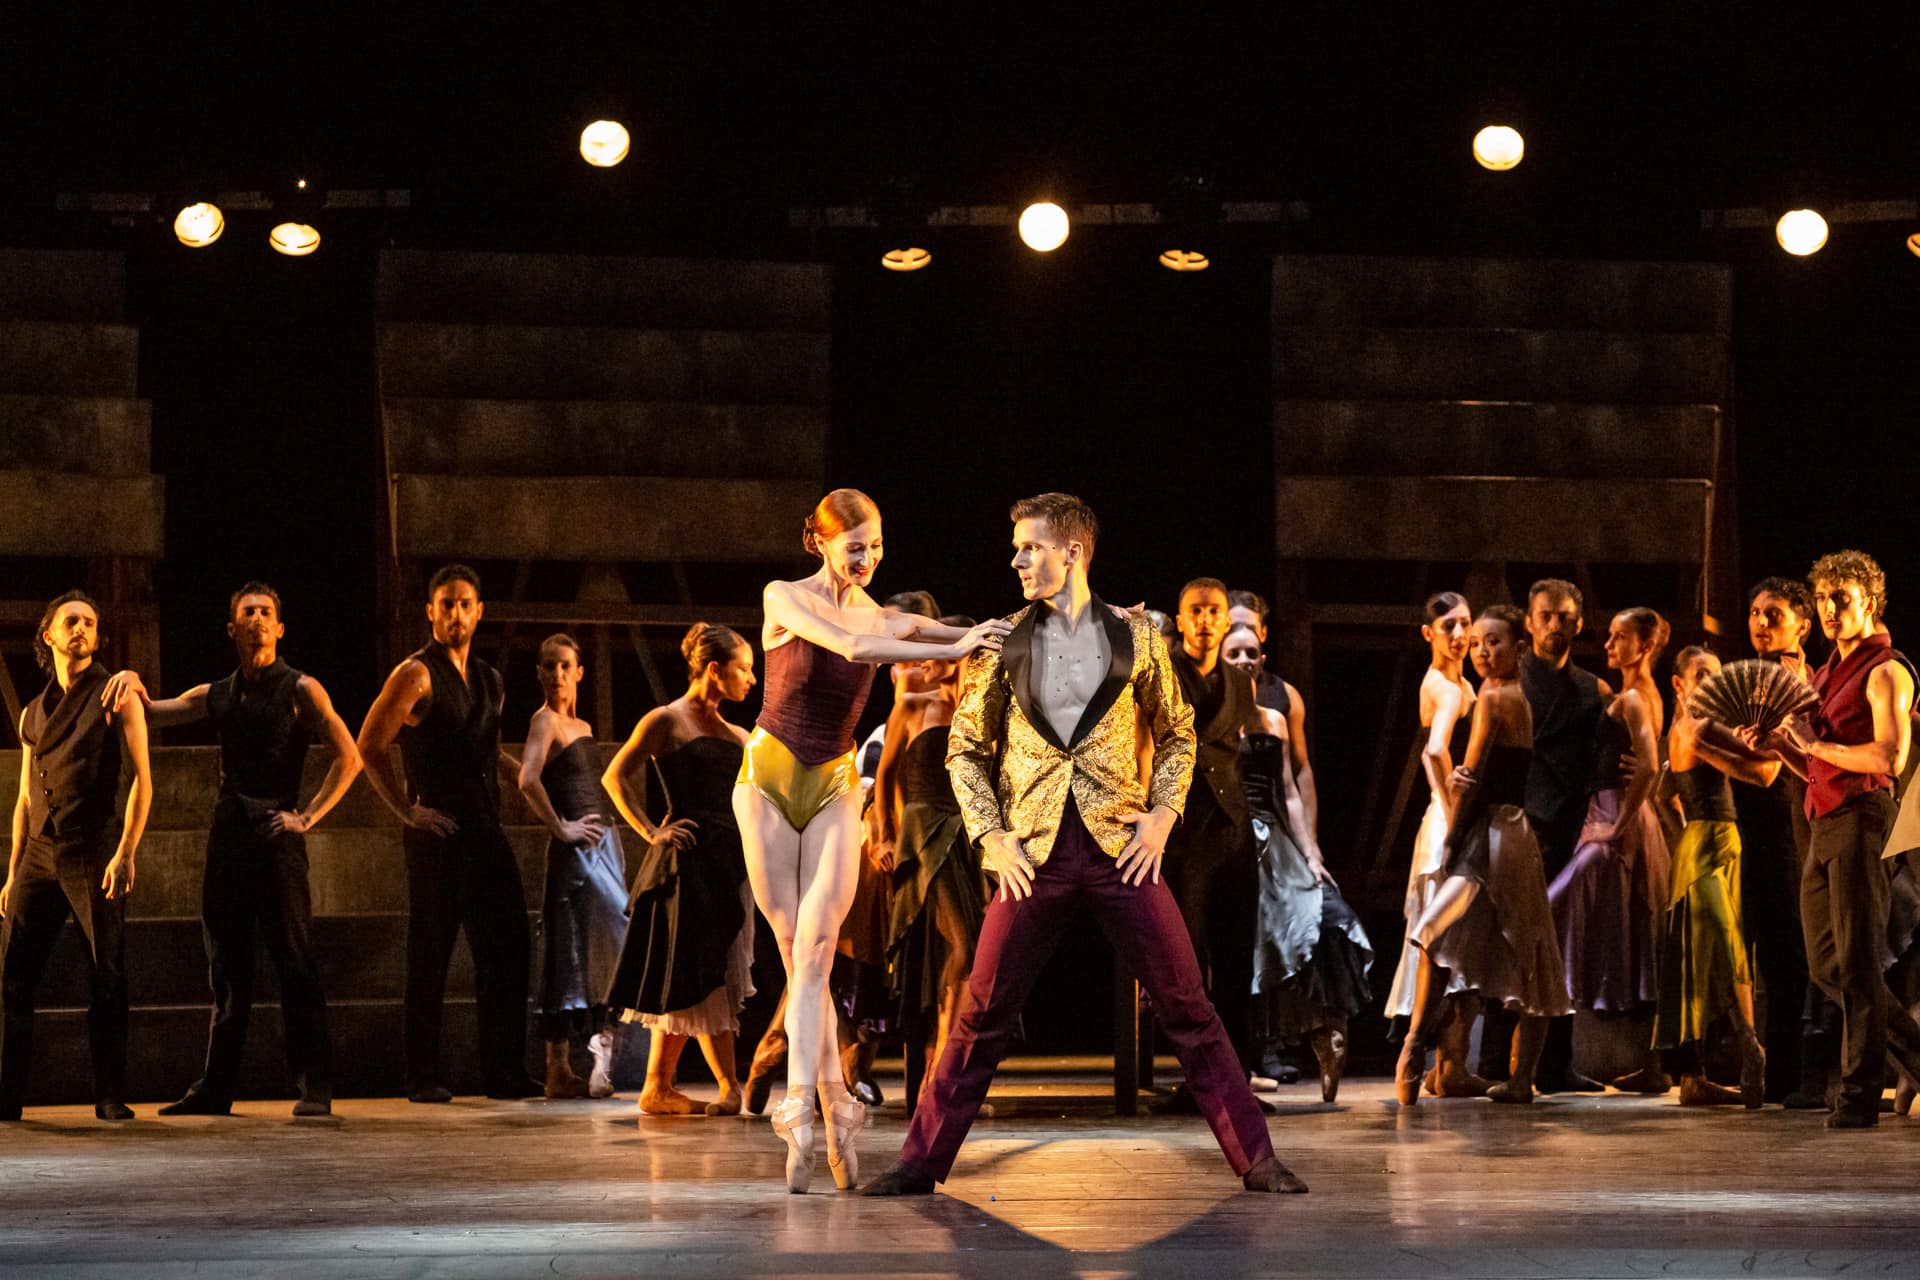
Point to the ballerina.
(1705, 970)
(1446, 714)
(583, 916)
(1489, 922)
(798, 795)
(687, 965)
(1608, 901)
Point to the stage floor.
(1053, 1185)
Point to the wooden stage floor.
(1054, 1185)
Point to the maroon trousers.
(1143, 923)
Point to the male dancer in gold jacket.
(1044, 759)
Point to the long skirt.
(1703, 955)
(1424, 878)
(1311, 956)
(583, 922)
(1607, 905)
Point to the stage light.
(1801, 232)
(1498, 147)
(199, 225)
(905, 259)
(295, 239)
(1913, 244)
(604, 143)
(1043, 226)
(1184, 260)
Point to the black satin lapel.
(1119, 670)
(1016, 655)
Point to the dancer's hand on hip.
(1002, 853)
(1141, 858)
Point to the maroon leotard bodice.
(813, 699)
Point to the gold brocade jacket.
(1012, 773)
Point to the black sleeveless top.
(71, 797)
(571, 777)
(1565, 704)
(1704, 794)
(263, 745)
(1223, 704)
(1611, 741)
(1262, 757)
(450, 755)
(923, 771)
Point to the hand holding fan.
(1752, 693)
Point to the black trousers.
(1843, 908)
(257, 883)
(1211, 869)
(1770, 871)
(470, 880)
(53, 884)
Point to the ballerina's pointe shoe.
(793, 1120)
(1407, 1073)
(1753, 1072)
(1330, 1050)
(1903, 1097)
(846, 1116)
(600, 1079)
(1513, 1091)
(727, 1104)
(1698, 1091)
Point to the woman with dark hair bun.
(798, 799)
(939, 895)
(583, 917)
(686, 968)
(1608, 901)
(1446, 714)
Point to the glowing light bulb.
(1043, 227)
(604, 143)
(905, 259)
(1498, 147)
(1184, 260)
(1801, 232)
(199, 225)
(295, 239)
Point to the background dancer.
(266, 714)
(686, 968)
(442, 705)
(1850, 755)
(1044, 755)
(583, 917)
(73, 851)
(1705, 971)
(1489, 920)
(1608, 901)
(1446, 716)
(798, 796)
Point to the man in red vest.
(1855, 749)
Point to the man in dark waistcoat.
(267, 714)
(1210, 857)
(1850, 755)
(73, 852)
(1567, 702)
(1801, 1025)
(442, 705)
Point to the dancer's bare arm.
(406, 689)
(316, 712)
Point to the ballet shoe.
(1518, 1092)
(1903, 1094)
(901, 1180)
(561, 1083)
(1806, 1100)
(1753, 1072)
(1272, 1176)
(600, 1079)
(1330, 1051)
(793, 1120)
(669, 1101)
(432, 1094)
(1698, 1091)
(1649, 1081)
(759, 1087)
(846, 1116)
(1407, 1073)
(1430, 1082)
(728, 1103)
(312, 1106)
(112, 1109)
(1853, 1118)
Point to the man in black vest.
(267, 714)
(442, 705)
(72, 851)
(1567, 702)
(1210, 859)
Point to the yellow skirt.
(799, 791)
